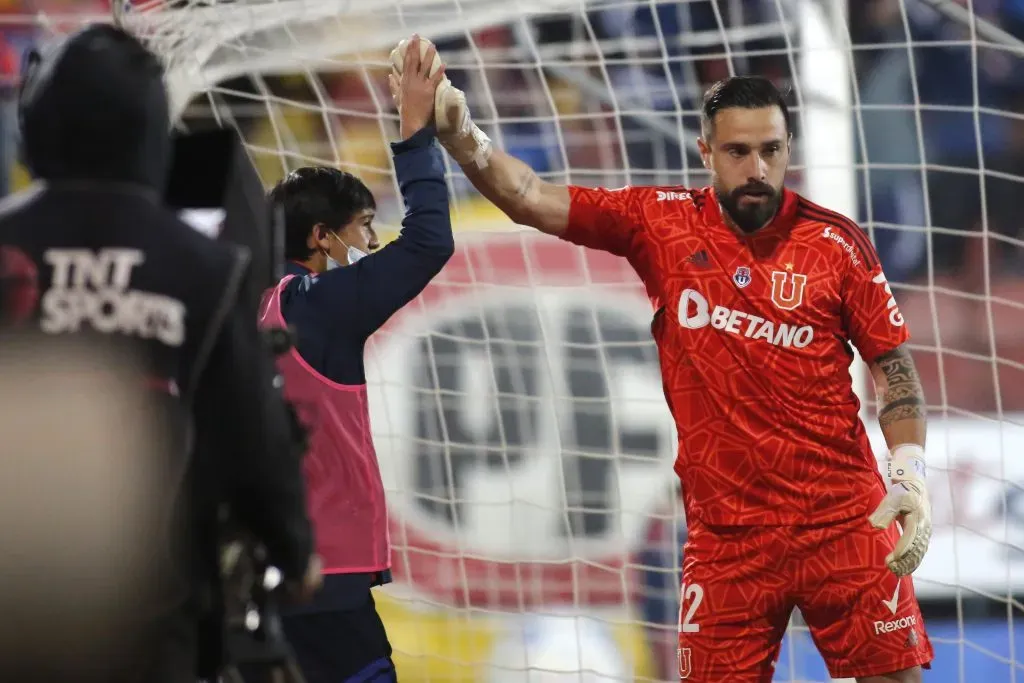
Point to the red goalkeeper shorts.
(740, 585)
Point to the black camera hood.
(214, 187)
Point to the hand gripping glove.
(907, 501)
(456, 132)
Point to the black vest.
(111, 263)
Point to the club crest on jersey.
(685, 662)
(788, 289)
(742, 277)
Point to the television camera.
(215, 188)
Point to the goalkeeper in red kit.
(758, 296)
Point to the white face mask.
(352, 253)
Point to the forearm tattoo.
(903, 398)
(526, 183)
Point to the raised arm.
(507, 182)
(387, 280)
(516, 189)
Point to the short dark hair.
(745, 92)
(317, 194)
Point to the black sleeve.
(239, 409)
(366, 294)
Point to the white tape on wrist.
(456, 132)
(468, 144)
(907, 463)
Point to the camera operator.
(113, 265)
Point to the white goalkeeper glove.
(456, 132)
(907, 501)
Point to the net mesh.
(517, 408)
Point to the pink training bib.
(345, 492)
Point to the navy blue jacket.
(335, 312)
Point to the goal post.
(517, 407)
(825, 98)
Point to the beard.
(750, 206)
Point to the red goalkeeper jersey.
(754, 335)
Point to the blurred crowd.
(929, 97)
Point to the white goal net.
(516, 405)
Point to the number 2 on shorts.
(694, 595)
